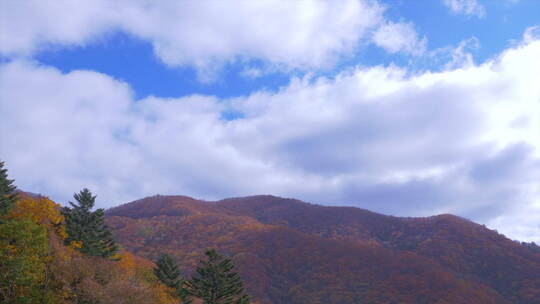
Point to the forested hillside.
(171, 249)
(289, 251)
(37, 266)
(51, 254)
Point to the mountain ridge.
(453, 247)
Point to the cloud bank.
(297, 34)
(287, 35)
(463, 141)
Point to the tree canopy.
(8, 196)
(169, 274)
(167, 271)
(23, 248)
(87, 229)
(215, 282)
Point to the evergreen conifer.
(8, 196)
(168, 273)
(88, 228)
(215, 281)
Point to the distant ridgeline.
(288, 251)
(281, 251)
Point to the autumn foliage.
(285, 251)
(289, 251)
(36, 266)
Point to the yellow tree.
(23, 252)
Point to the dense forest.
(259, 249)
(290, 251)
(50, 254)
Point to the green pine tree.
(88, 227)
(215, 281)
(8, 196)
(168, 273)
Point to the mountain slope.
(289, 251)
(459, 244)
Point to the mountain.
(289, 251)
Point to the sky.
(407, 108)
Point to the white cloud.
(463, 141)
(461, 56)
(252, 72)
(457, 56)
(466, 7)
(531, 34)
(399, 37)
(293, 34)
(28, 26)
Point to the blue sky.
(125, 57)
(409, 108)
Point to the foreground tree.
(8, 197)
(215, 281)
(167, 271)
(23, 252)
(169, 274)
(86, 229)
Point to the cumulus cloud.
(292, 34)
(399, 37)
(466, 7)
(29, 26)
(463, 140)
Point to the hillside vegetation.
(289, 251)
(259, 249)
(37, 267)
